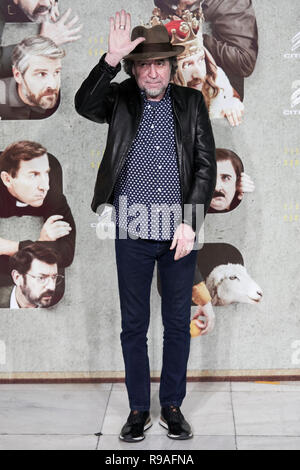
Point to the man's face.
(31, 182)
(225, 187)
(36, 10)
(193, 69)
(152, 76)
(40, 84)
(38, 285)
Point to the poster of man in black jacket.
(61, 29)
(31, 184)
(233, 41)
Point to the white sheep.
(229, 283)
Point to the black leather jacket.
(121, 106)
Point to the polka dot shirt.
(147, 197)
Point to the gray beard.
(155, 93)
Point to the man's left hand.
(184, 238)
(208, 313)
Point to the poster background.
(80, 336)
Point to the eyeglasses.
(43, 280)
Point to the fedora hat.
(157, 44)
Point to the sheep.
(229, 283)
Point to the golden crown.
(187, 33)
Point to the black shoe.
(172, 419)
(137, 423)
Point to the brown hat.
(156, 46)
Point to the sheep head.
(230, 283)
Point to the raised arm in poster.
(31, 185)
(34, 271)
(233, 41)
(34, 90)
(60, 28)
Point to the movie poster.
(60, 310)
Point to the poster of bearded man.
(197, 68)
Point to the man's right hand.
(62, 31)
(54, 228)
(119, 42)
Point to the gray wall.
(81, 334)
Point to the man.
(34, 90)
(234, 39)
(232, 182)
(198, 69)
(156, 128)
(45, 12)
(34, 271)
(31, 185)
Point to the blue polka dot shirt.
(147, 197)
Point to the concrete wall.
(80, 336)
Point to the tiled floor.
(224, 416)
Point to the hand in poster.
(61, 31)
(55, 11)
(54, 228)
(244, 185)
(207, 312)
(184, 238)
(119, 42)
(8, 247)
(234, 111)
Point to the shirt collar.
(13, 300)
(21, 204)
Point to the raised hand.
(62, 30)
(119, 42)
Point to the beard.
(36, 16)
(155, 92)
(45, 100)
(40, 301)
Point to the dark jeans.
(135, 263)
